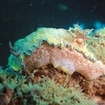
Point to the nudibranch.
(66, 50)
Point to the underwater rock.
(67, 50)
(6, 96)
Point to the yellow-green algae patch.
(98, 46)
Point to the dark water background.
(19, 18)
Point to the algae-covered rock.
(45, 91)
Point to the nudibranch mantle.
(56, 39)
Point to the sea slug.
(66, 50)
